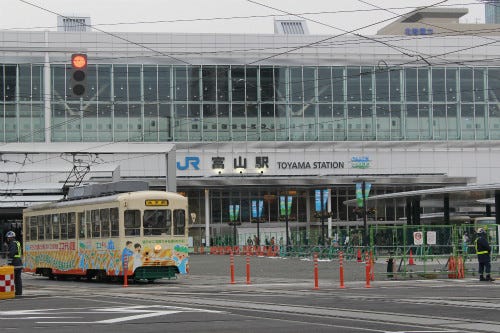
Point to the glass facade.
(152, 103)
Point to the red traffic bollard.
(231, 267)
(248, 270)
(341, 268)
(316, 282)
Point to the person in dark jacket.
(483, 251)
(14, 259)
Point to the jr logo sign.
(189, 161)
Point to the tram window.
(81, 225)
(55, 226)
(115, 226)
(179, 221)
(88, 224)
(48, 227)
(33, 228)
(71, 225)
(104, 217)
(96, 223)
(157, 222)
(132, 222)
(41, 228)
(64, 226)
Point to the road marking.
(120, 314)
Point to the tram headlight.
(157, 248)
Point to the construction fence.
(407, 251)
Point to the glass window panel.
(466, 86)
(151, 122)
(309, 84)
(135, 125)
(104, 82)
(150, 83)
(325, 122)
(282, 122)
(210, 122)
(181, 123)
(353, 84)
(296, 89)
(412, 125)
(423, 84)
(164, 85)
(479, 92)
(209, 79)
(267, 120)
(10, 80)
(266, 84)
(120, 83)
(467, 121)
(395, 84)
(194, 83)
(438, 85)
(195, 125)
(424, 121)
(24, 82)
(324, 84)
(451, 84)
(494, 120)
(366, 83)
(338, 80)
(104, 122)
(411, 84)
(222, 83)
(120, 120)
(58, 82)
(280, 75)
(165, 123)
(251, 84)
(480, 122)
(297, 122)
(452, 122)
(382, 85)
(238, 84)
(134, 83)
(89, 122)
(224, 122)
(180, 84)
(91, 91)
(253, 127)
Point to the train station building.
(268, 130)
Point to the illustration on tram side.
(139, 234)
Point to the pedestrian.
(465, 243)
(483, 251)
(14, 259)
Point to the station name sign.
(312, 165)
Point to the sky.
(325, 17)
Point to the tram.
(143, 235)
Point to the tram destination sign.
(156, 203)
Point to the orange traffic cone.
(359, 255)
(410, 261)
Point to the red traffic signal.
(78, 74)
(79, 61)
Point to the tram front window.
(157, 222)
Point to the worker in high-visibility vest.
(15, 260)
(483, 251)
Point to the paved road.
(280, 298)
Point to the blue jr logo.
(193, 161)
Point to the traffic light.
(78, 74)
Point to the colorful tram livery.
(144, 233)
